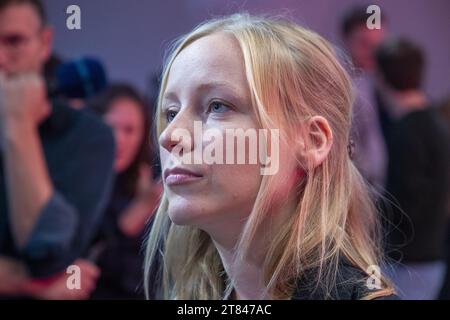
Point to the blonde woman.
(226, 231)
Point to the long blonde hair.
(292, 73)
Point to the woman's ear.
(317, 141)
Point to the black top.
(79, 152)
(418, 181)
(351, 284)
(120, 257)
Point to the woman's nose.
(179, 132)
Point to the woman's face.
(126, 120)
(207, 85)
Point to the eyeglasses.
(14, 42)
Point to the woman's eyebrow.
(171, 96)
(230, 90)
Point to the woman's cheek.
(237, 186)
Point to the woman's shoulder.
(351, 283)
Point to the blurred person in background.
(445, 109)
(418, 180)
(79, 80)
(361, 41)
(370, 149)
(135, 196)
(445, 291)
(55, 166)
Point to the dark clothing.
(120, 257)
(79, 153)
(351, 284)
(418, 181)
(445, 289)
(384, 118)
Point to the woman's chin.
(183, 215)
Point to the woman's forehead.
(214, 58)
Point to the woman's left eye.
(218, 107)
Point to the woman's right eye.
(170, 115)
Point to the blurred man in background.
(55, 166)
(418, 142)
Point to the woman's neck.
(246, 276)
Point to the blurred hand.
(58, 290)
(145, 182)
(148, 192)
(23, 97)
(13, 276)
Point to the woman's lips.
(177, 176)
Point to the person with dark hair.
(55, 166)
(418, 178)
(359, 39)
(26, 44)
(136, 193)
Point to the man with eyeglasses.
(55, 166)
